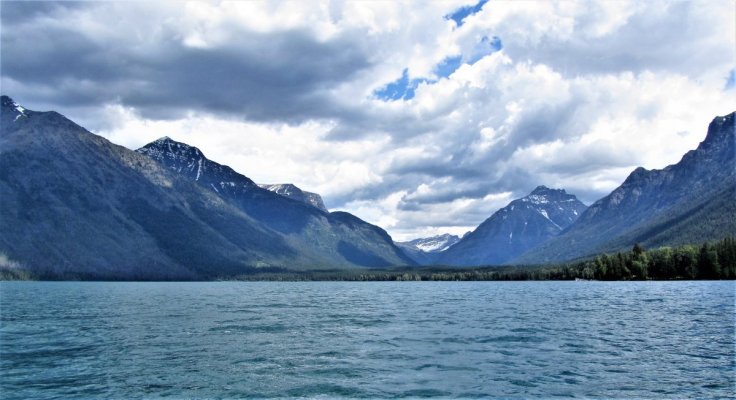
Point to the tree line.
(711, 260)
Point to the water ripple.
(367, 340)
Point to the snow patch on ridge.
(199, 169)
(537, 199)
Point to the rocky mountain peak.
(542, 190)
(720, 138)
(291, 191)
(6, 101)
(11, 110)
(192, 163)
(167, 147)
(543, 195)
(721, 128)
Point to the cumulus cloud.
(422, 118)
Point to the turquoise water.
(369, 339)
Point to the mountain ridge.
(294, 192)
(78, 206)
(75, 204)
(334, 233)
(651, 202)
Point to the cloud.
(275, 76)
(423, 119)
(404, 88)
(609, 37)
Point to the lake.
(366, 339)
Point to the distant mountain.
(688, 202)
(433, 244)
(293, 192)
(425, 250)
(75, 205)
(521, 225)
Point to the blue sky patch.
(463, 12)
(400, 89)
(404, 88)
(448, 66)
(485, 47)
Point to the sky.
(421, 117)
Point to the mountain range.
(689, 202)
(75, 205)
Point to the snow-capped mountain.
(293, 192)
(426, 250)
(516, 228)
(434, 244)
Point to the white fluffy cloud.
(580, 93)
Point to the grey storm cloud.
(560, 120)
(390, 184)
(446, 192)
(278, 76)
(16, 12)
